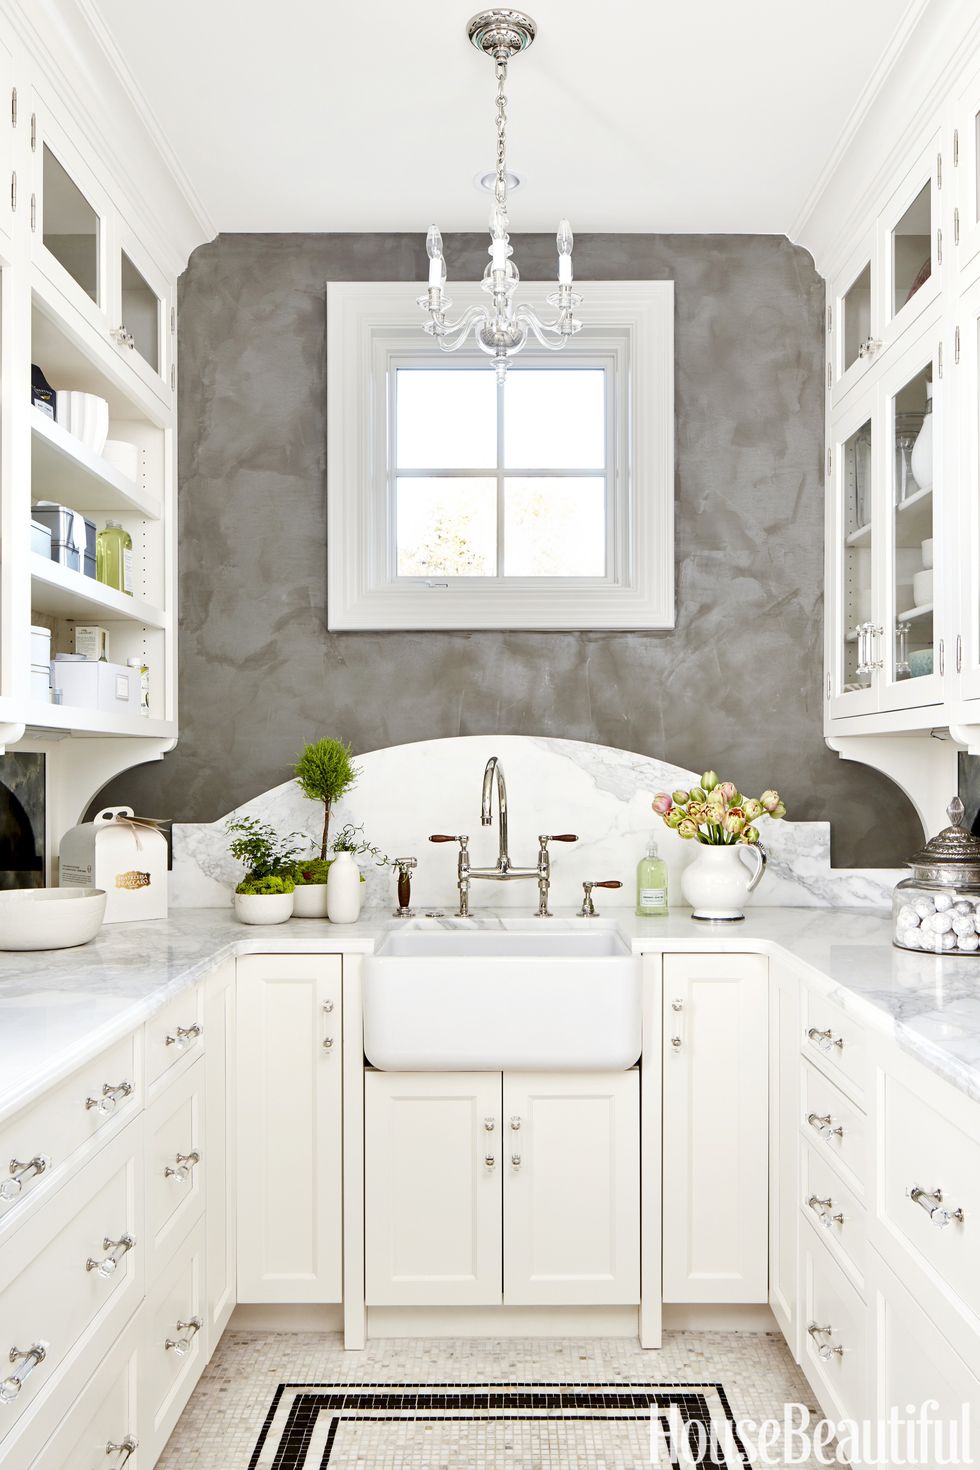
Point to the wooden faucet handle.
(441, 837)
(563, 837)
(608, 883)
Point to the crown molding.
(69, 45)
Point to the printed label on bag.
(653, 898)
(132, 880)
(127, 570)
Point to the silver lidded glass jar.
(938, 908)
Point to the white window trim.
(370, 324)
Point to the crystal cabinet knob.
(188, 1331)
(115, 1250)
(27, 1359)
(180, 1171)
(20, 1173)
(111, 1095)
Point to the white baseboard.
(286, 1318)
(500, 1322)
(681, 1317)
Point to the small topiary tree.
(325, 772)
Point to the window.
(458, 502)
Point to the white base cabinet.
(290, 1222)
(521, 1189)
(716, 1129)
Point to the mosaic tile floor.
(224, 1418)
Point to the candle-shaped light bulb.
(437, 266)
(565, 242)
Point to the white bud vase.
(343, 890)
(921, 462)
(718, 881)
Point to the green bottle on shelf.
(651, 884)
(114, 558)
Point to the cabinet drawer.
(174, 1164)
(103, 1417)
(835, 1212)
(832, 1040)
(174, 1033)
(835, 1127)
(914, 1361)
(69, 1279)
(929, 1171)
(174, 1342)
(834, 1335)
(58, 1128)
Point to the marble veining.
(59, 1008)
(406, 792)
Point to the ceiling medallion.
(501, 327)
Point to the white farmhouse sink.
(464, 999)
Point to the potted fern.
(324, 772)
(265, 894)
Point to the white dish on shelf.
(50, 918)
(927, 554)
(85, 415)
(922, 588)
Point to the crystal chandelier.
(500, 327)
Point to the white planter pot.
(263, 908)
(310, 901)
(343, 890)
(718, 881)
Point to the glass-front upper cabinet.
(69, 214)
(966, 177)
(912, 647)
(141, 311)
(852, 321)
(853, 537)
(910, 244)
(966, 531)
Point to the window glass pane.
(555, 419)
(857, 316)
(70, 228)
(555, 527)
(446, 419)
(141, 312)
(446, 527)
(912, 248)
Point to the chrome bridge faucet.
(503, 871)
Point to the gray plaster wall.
(736, 685)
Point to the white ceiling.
(627, 115)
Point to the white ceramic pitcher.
(720, 879)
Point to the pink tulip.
(770, 800)
(728, 791)
(662, 803)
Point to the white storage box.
(125, 856)
(87, 684)
(41, 683)
(40, 646)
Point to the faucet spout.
(495, 771)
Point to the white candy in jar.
(963, 906)
(909, 919)
(939, 923)
(924, 907)
(964, 923)
(948, 940)
(969, 942)
(942, 902)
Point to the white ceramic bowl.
(927, 554)
(263, 908)
(50, 918)
(922, 588)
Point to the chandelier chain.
(500, 185)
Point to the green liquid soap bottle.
(651, 884)
(114, 558)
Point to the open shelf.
(69, 720)
(64, 469)
(62, 593)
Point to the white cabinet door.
(432, 1202)
(571, 1162)
(716, 1128)
(289, 1128)
(784, 1097)
(219, 1159)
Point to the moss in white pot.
(265, 900)
(310, 896)
(265, 894)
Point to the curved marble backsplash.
(405, 792)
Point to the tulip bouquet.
(716, 813)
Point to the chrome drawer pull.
(185, 1163)
(11, 1188)
(28, 1360)
(823, 1124)
(183, 1036)
(931, 1201)
(825, 1349)
(125, 1448)
(116, 1250)
(824, 1208)
(489, 1160)
(110, 1096)
(182, 1345)
(825, 1039)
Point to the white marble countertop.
(58, 1008)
